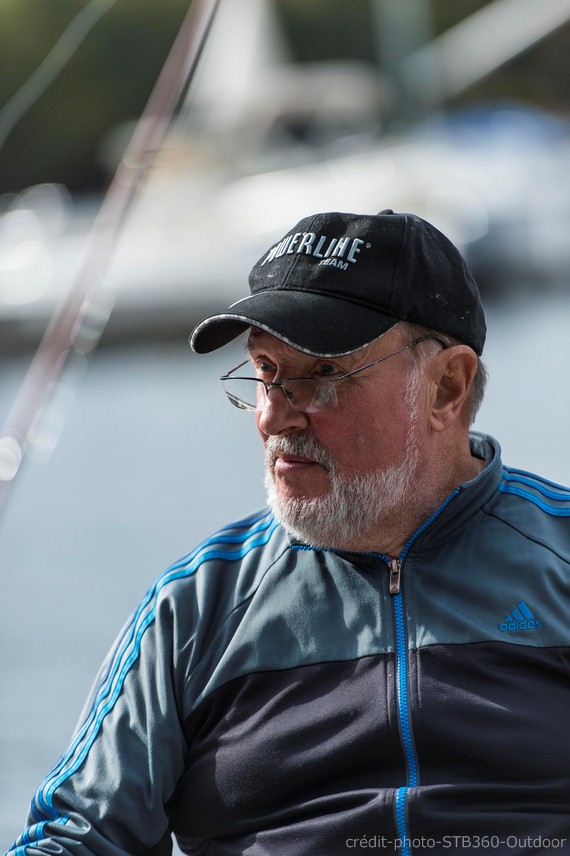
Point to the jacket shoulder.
(537, 508)
(234, 558)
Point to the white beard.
(356, 503)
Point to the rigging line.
(77, 324)
(41, 78)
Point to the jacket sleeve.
(107, 794)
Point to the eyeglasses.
(309, 394)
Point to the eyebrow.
(250, 341)
(252, 346)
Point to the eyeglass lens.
(309, 395)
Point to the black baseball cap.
(336, 282)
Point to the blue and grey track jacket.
(273, 700)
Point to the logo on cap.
(338, 252)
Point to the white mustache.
(296, 444)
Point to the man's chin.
(353, 511)
(297, 494)
(304, 517)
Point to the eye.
(264, 368)
(327, 369)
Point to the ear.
(453, 373)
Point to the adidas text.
(523, 624)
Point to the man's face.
(330, 473)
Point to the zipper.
(395, 573)
(402, 700)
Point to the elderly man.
(379, 662)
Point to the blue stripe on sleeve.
(246, 536)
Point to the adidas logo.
(521, 618)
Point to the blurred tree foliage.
(110, 77)
(325, 29)
(107, 81)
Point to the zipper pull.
(395, 571)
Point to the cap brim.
(320, 325)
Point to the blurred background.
(458, 111)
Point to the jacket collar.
(456, 511)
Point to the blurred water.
(151, 460)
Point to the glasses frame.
(271, 384)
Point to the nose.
(278, 416)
